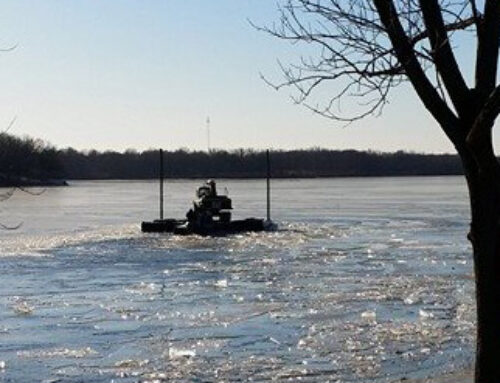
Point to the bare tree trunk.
(484, 189)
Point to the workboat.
(210, 214)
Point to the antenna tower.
(208, 134)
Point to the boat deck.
(181, 227)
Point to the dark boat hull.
(161, 225)
(181, 227)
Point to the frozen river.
(367, 280)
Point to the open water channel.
(366, 280)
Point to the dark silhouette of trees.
(25, 160)
(368, 47)
(252, 164)
(31, 162)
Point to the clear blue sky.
(120, 74)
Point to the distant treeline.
(34, 159)
(25, 161)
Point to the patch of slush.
(310, 302)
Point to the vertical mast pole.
(161, 183)
(208, 134)
(268, 186)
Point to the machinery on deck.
(209, 208)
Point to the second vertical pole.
(268, 185)
(161, 184)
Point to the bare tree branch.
(445, 61)
(427, 93)
(487, 50)
(352, 55)
(6, 227)
(486, 118)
